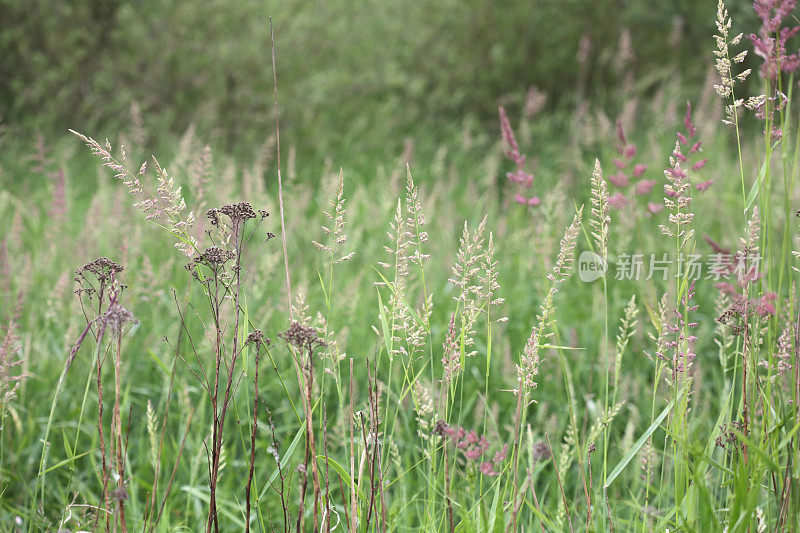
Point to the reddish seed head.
(645, 186)
(617, 200)
(703, 186)
(619, 179)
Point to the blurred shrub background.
(363, 74)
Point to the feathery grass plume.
(200, 176)
(152, 422)
(488, 275)
(467, 265)
(660, 336)
(600, 211)
(465, 273)
(300, 308)
(677, 199)
(782, 353)
(415, 221)
(165, 208)
(451, 355)
(520, 177)
(336, 239)
(10, 360)
(398, 254)
(336, 234)
(603, 420)
(409, 239)
(528, 367)
(332, 351)
(728, 79)
(722, 337)
(681, 342)
(627, 328)
(424, 409)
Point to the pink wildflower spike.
(695, 147)
(513, 152)
(619, 164)
(726, 288)
(617, 200)
(501, 455)
(532, 201)
(700, 164)
(687, 121)
(638, 170)
(619, 179)
(630, 151)
(519, 176)
(704, 186)
(654, 207)
(473, 454)
(716, 247)
(773, 49)
(645, 186)
(487, 469)
(766, 306)
(683, 139)
(621, 133)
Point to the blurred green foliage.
(373, 70)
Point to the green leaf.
(753, 194)
(66, 462)
(284, 460)
(637, 446)
(384, 326)
(342, 472)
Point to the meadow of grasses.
(568, 320)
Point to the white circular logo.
(591, 266)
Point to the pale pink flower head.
(619, 179)
(703, 186)
(638, 170)
(770, 43)
(645, 186)
(766, 305)
(654, 208)
(532, 201)
(617, 200)
(487, 469)
(520, 176)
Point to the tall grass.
(438, 364)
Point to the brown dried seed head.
(301, 336)
(238, 212)
(214, 256)
(103, 268)
(257, 337)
